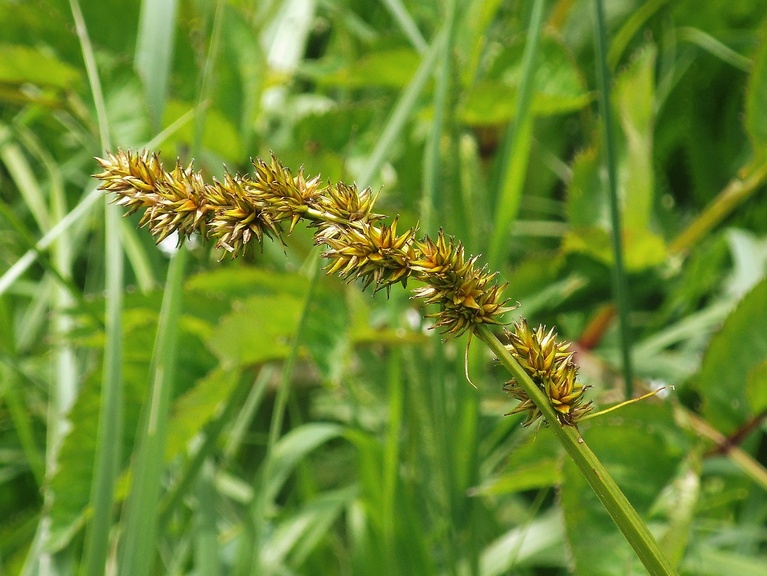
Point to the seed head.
(550, 365)
(373, 253)
(465, 294)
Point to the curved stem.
(615, 502)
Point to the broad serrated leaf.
(326, 333)
(393, 68)
(738, 348)
(257, 330)
(560, 88)
(27, 65)
(239, 281)
(756, 388)
(587, 202)
(197, 407)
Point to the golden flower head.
(465, 294)
(550, 365)
(172, 200)
(239, 216)
(373, 253)
(288, 197)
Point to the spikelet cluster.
(467, 294)
(240, 211)
(550, 365)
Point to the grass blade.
(408, 25)
(432, 161)
(154, 53)
(512, 165)
(110, 416)
(620, 284)
(139, 546)
(250, 559)
(402, 111)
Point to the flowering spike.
(551, 367)
(241, 210)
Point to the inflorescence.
(550, 365)
(241, 210)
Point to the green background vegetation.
(256, 417)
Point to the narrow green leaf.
(620, 282)
(293, 447)
(207, 551)
(678, 503)
(756, 99)
(518, 547)
(402, 111)
(406, 22)
(138, 549)
(298, 535)
(107, 437)
(512, 162)
(154, 52)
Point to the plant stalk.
(615, 502)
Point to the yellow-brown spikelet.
(180, 204)
(174, 201)
(373, 253)
(131, 177)
(465, 294)
(550, 365)
(344, 202)
(239, 216)
(288, 197)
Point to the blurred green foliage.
(386, 460)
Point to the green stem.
(514, 156)
(615, 502)
(750, 178)
(620, 284)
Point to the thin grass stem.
(251, 551)
(109, 433)
(620, 283)
(512, 163)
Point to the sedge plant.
(240, 211)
